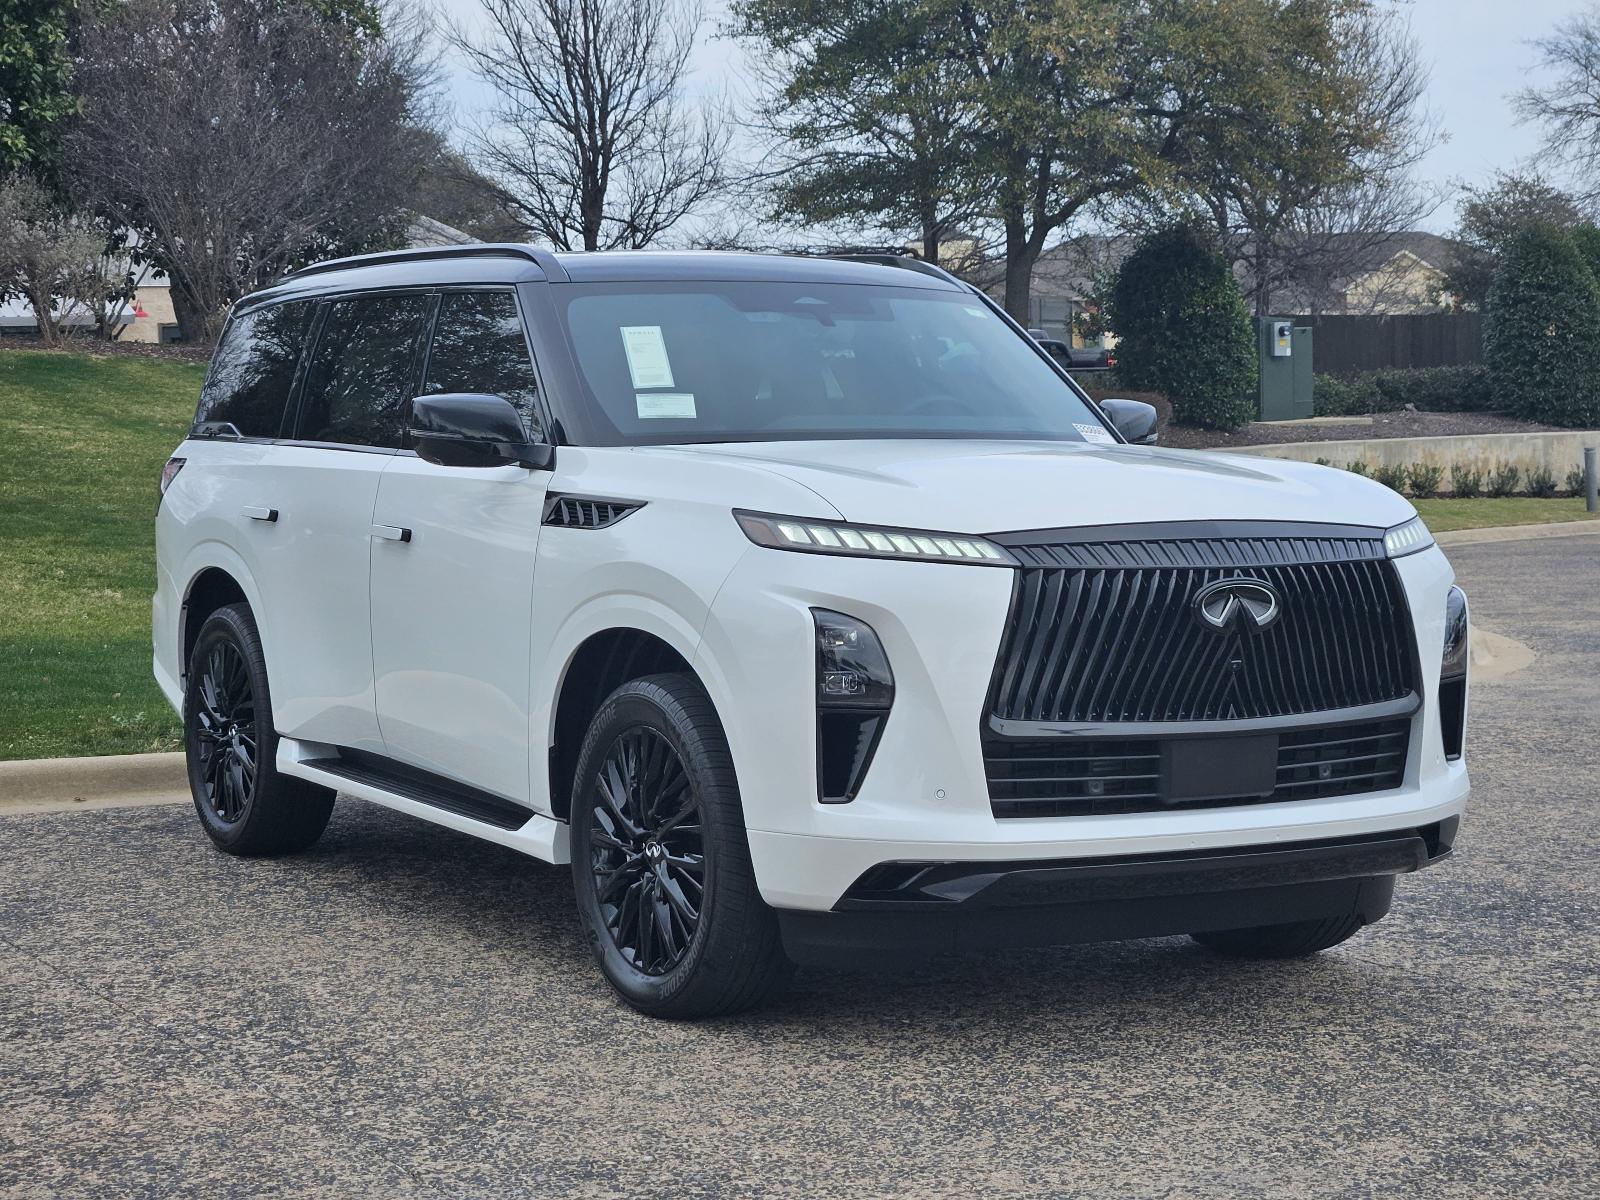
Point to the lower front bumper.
(911, 910)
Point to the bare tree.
(1569, 106)
(1310, 188)
(47, 256)
(239, 138)
(592, 142)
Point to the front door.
(452, 572)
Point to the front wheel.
(660, 860)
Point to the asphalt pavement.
(404, 1011)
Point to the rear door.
(452, 599)
(350, 422)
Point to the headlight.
(855, 690)
(1407, 539)
(870, 541)
(1453, 675)
(1456, 638)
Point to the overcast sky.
(1478, 52)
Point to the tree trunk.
(1020, 257)
(39, 300)
(930, 235)
(195, 324)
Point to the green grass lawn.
(82, 441)
(1445, 515)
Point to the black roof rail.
(906, 262)
(544, 259)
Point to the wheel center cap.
(655, 852)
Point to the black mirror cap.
(1135, 420)
(473, 429)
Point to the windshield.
(684, 362)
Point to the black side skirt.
(424, 787)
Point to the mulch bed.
(1383, 425)
(87, 345)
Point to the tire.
(1298, 939)
(655, 816)
(246, 807)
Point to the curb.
(42, 783)
(1516, 533)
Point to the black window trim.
(541, 407)
(291, 402)
(314, 340)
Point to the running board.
(430, 797)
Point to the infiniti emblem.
(1248, 604)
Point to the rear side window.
(478, 346)
(253, 370)
(360, 379)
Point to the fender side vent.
(587, 512)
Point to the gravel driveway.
(404, 1012)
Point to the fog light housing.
(855, 690)
(1453, 675)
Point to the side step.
(424, 795)
(424, 788)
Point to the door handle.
(392, 533)
(257, 513)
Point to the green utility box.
(1285, 354)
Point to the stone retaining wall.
(1560, 452)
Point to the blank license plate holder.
(1218, 768)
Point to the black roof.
(509, 263)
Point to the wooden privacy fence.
(1343, 345)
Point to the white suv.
(805, 606)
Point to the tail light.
(170, 472)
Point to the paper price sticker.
(671, 405)
(647, 356)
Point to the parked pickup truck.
(1075, 358)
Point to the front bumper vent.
(1079, 777)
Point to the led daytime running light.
(863, 541)
(1407, 539)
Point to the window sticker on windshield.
(975, 312)
(1093, 433)
(677, 405)
(647, 356)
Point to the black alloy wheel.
(245, 806)
(647, 850)
(225, 731)
(661, 866)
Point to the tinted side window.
(253, 369)
(478, 347)
(361, 372)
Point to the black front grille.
(1106, 631)
(1077, 777)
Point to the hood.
(996, 487)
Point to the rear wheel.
(660, 860)
(1294, 940)
(245, 805)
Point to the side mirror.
(472, 429)
(1135, 420)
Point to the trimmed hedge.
(1429, 389)
(1542, 329)
(1183, 330)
